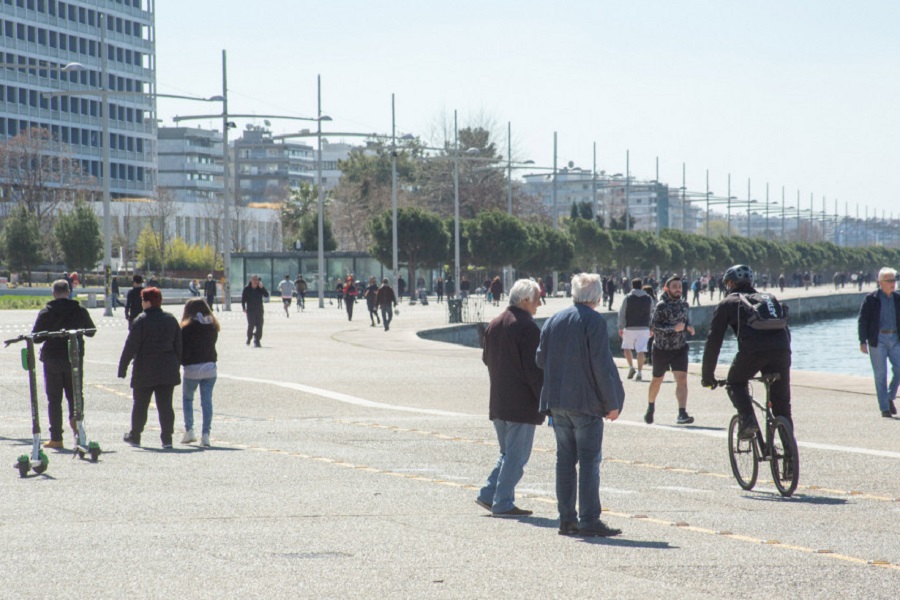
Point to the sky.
(801, 94)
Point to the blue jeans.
(188, 387)
(515, 449)
(579, 440)
(887, 350)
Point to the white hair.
(586, 288)
(523, 289)
(887, 271)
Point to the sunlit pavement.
(345, 462)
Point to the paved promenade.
(344, 464)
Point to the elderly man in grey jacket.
(581, 388)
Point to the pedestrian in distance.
(286, 287)
(634, 327)
(133, 304)
(611, 291)
(496, 290)
(387, 302)
(439, 289)
(371, 295)
(60, 313)
(879, 317)
(350, 293)
(193, 289)
(695, 292)
(301, 286)
(114, 289)
(761, 348)
(510, 346)
(339, 293)
(543, 290)
(252, 305)
(670, 325)
(581, 388)
(401, 287)
(209, 291)
(154, 344)
(199, 333)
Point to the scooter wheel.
(23, 465)
(41, 467)
(95, 452)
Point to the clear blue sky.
(801, 94)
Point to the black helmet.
(739, 274)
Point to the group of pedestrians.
(565, 371)
(157, 347)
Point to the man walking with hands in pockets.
(581, 388)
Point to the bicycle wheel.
(785, 459)
(743, 456)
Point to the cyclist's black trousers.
(747, 364)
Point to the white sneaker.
(189, 437)
(204, 440)
(638, 376)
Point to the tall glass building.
(52, 74)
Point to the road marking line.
(643, 518)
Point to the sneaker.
(893, 408)
(648, 416)
(748, 427)
(167, 445)
(257, 345)
(53, 444)
(514, 513)
(132, 439)
(638, 376)
(631, 372)
(483, 504)
(887, 414)
(204, 440)
(598, 529)
(568, 528)
(684, 419)
(189, 437)
(248, 341)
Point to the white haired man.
(581, 388)
(510, 345)
(879, 317)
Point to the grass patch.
(23, 302)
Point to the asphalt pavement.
(345, 462)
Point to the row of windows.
(85, 16)
(75, 136)
(72, 43)
(84, 77)
(73, 105)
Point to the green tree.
(309, 232)
(149, 248)
(497, 239)
(300, 203)
(548, 249)
(21, 240)
(78, 234)
(422, 239)
(593, 245)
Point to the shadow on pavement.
(814, 500)
(626, 543)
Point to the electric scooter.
(82, 446)
(38, 461)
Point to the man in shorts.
(286, 287)
(670, 325)
(634, 327)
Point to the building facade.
(190, 164)
(54, 56)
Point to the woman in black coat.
(154, 343)
(199, 333)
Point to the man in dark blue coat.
(879, 318)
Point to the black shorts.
(287, 301)
(663, 359)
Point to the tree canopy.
(78, 234)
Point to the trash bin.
(454, 306)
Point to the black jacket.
(154, 343)
(731, 313)
(61, 313)
(252, 298)
(510, 343)
(133, 306)
(869, 322)
(209, 288)
(198, 343)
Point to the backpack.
(765, 312)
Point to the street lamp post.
(748, 207)
(395, 267)
(707, 204)
(729, 205)
(455, 201)
(321, 198)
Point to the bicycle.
(778, 447)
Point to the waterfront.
(828, 346)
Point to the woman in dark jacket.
(199, 332)
(154, 343)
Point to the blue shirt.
(888, 320)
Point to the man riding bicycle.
(761, 348)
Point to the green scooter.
(38, 461)
(82, 446)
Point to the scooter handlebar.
(47, 334)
